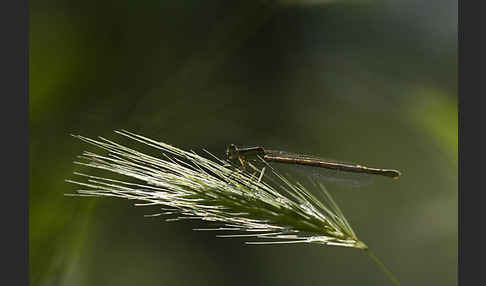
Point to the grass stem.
(382, 266)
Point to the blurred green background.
(370, 82)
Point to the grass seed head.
(189, 186)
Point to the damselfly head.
(231, 152)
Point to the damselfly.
(245, 155)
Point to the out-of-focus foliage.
(372, 83)
(436, 114)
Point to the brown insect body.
(252, 153)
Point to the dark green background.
(373, 83)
